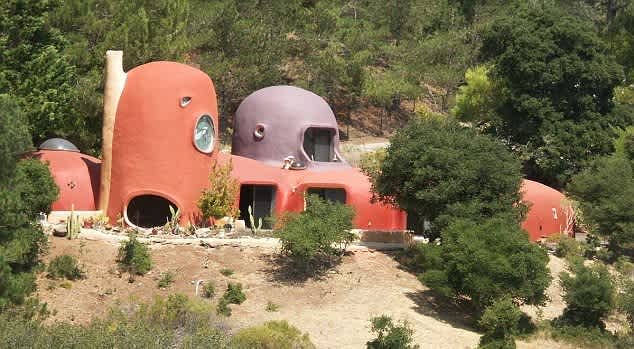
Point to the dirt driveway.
(334, 310)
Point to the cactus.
(255, 229)
(172, 223)
(72, 224)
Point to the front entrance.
(261, 198)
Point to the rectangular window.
(330, 194)
(261, 198)
(318, 144)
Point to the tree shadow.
(458, 313)
(282, 270)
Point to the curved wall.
(153, 149)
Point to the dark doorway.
(261, 198)
(330, 194)
(147, 211)
(318, 144)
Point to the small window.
(261, 199)
(318, 144)
(330, 194)
(204, 134)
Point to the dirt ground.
(334, 309)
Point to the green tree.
(437, 169)
(557, 83)
(589, 295)
(21, 241)
(34, 70)
(488, 260)
(605, 191)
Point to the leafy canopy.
(554, 98)
(605, 191)
(437, 169)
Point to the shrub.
(65, 266)
(166, 279)
(272, 335)
(233, 295)
(626, 301)
(134, 257)
(272, 307)
(36, 186)
(209, 290)
(568, 246)
(311, 234)
(175, 322)
(226, 272)
(489, 260)
(390, 335)
(588, 295)
(500, 323)
(219, 199)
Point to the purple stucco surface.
(284, 113)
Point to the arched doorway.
(147, 211)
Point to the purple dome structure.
(279, 122)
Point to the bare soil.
(334, 309)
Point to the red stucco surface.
(152, 149)
(543, 201)
(153, 153)
(76, 175)
(291, 186)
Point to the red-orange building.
(161, 140)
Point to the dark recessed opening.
(330, 194)
(261, 198)
(147, 211)
(318, 144)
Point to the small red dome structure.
(76, 175)
(549, 212)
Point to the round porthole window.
(204, 134)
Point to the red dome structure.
(76, 175)
(548, 214)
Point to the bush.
(436, 169)
(568, 246)
(167, 278)
(500, 324)
(589, 295)
(219, 200)
(65, 266)
(310, 235)
(626, 302)
(36, 186)
(233, 295)
(272, 335)
(390, 335)
(226, 272)
(134, 257)
(175, 322)
(209, 290)
(488, 260)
